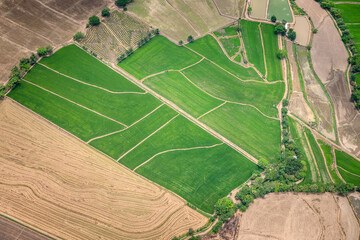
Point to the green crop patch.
(330, 161)
(76, 63)
(126, 108)
(157, 55)
(246, 127)
(350, 12)
(227, 31)
(119, 143)
(175, 87)
(231, 45)
(280, 9)
(349, 178)
(209, 47)
(178, 133)
(219, 83)
(250, 34)
(75, 119)
(222, 169)
(347, 162)
(273, 63)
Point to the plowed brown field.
(55, 183)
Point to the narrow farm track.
(321, 222)
(211, 110)
(335, 165)
(147, 137)
(348, 172)
(262, 45)
(192, 64)
(346, 2)
(221, 14)
(313, 156)
(14, 43)
(88, 84)
(75, 103)
(108, 134)
(114, 35)
(324, 158)
(173, 150)
(57, 12)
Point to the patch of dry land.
(53, 182)
(302, 27)
(233, 8)
(29, 24)
(177, 19)
(259, 9)
(299, 216)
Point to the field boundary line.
(147, 137)
(112, 33)
(212, 109)
(324, 158)
(313, 156)
(349, 172)
(228, 101)
(192, 64)
(221, 14)
(335, 165)
(262, 45)
(88, 84)
(75, 103)
(142, 118)
(176, 149)
(14, 43)
(58, 12)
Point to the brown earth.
(259, 8)
(313, 9)
(302, 27)
(355, 202)
(59, 185)
(233, 8)
(10, 230)
(29, 24)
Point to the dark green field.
(350, 12)
(330, 161)
(347, 162)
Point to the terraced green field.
(274, 69)
(347, 162)
(250, 34)
(227, 31)
(157, 55)
(350, 12)
(231, 45)
(330, 161)
(355, 31)
(281, 9)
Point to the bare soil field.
(29, 24)
(297, 103)
(314, 10)
(10, 230)
(259, 9)
(355, 202)
(302, 28)
(233, 8)
(57, 184)
(177, 19)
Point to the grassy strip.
(76, 63)
(223, 85)
(223, 170)
(271, 46)
(247, 128)
(175, 87)
(179, 133)
(126, 108)
(318, 157)
(347, 162)
(231, 45)
(280, 9)
(157, 55)
(238, 58)
(117, 144)
(208, 47)
(77, 120)
(349, 178)
(329, 161)
(350, 12)
(227, 31)
(250, 34)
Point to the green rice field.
(280, 9)
(231, 45)
(347, 162)
(330, 161)
(350, 12)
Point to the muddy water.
(258, 8)
(302, 28)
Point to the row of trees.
(280, 29)
(348, 39)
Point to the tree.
(181, 42)
(281, 53)
(122, 3)
(280, 29)
(191, 231)
(190, 39)
(156, 32)
(94, 20)
(78, 36)
(249, 10)
(263, 163)
(41, 51)
(273, 18)
(291, 34)
(49, 50)
(105, 12)
(33, 58)
(224, 208)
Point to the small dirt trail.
(321, 221)
(178, 149)
(75, 103)
(147, 137)
(346, 2)
(324, 158)
(88, 84)
(312, 155)
(335, 165)
(349, 172)
(112, 33)
(341, 229)
(212, 110)
(59, 13)
(192, 64)
(221, 14)
(14, 43)
(262, 45)
(108, 134)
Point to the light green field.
(350, 12)
(76, 63)
(298, 136)
(175, 87)
(250, 34)
(238, 58)
(231, 45)
(345, 1)
(227, 31)
(77, 120)
(119, 143)
(349, 178)
(126, 108)
(246, 127)
(179, 133)
(281, 10)
(330, 161)
(223, 85)
(318, 157)
(274, 69)
(157, 55)
(208, 47)
(355, 31)
(347, 162)
(223, 170)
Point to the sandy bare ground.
(299, 216)
(314, 10)
(355, 203)
(297, 104)
(302, 27)
(53, 182)
(29, 24)
(233, 8)
(259, 9)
